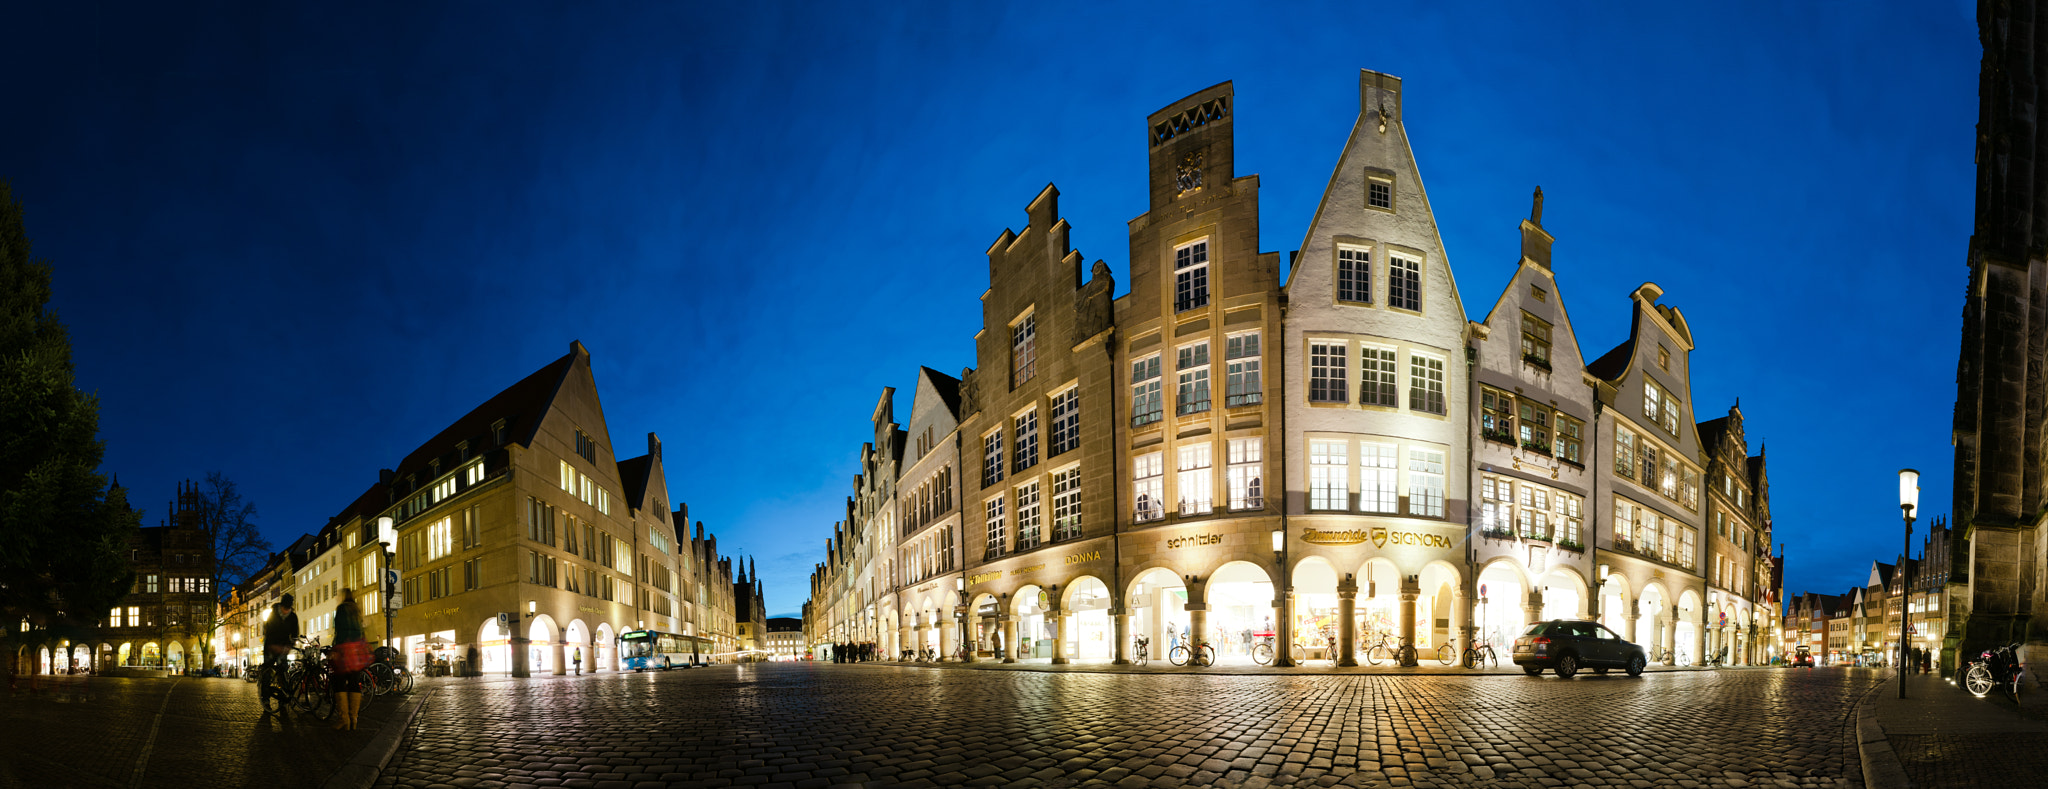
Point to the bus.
(644, 649)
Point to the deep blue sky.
(292, 243)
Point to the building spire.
(1536, 210)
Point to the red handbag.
(350, 656)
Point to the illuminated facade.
(1110, 472)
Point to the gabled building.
(1530, 524)
(1376, 402)
(1738, 540)
(929, 595)
(1648, 538)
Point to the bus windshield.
(631, 647)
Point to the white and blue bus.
(644, 649)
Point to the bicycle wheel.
(1177, 656)
(1978, 680)
(1445, 654)
(1262, 654)
(1377, 653)
(1206, 655)
(1470, 658)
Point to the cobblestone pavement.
(183, 733)
(1945, 737)
(820, 725)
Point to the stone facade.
(1998, 578)
(1114, 457)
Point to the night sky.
(291, 243)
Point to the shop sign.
(589, 609)
(1345, 537)
(1022, 570)
(1084, 557)
(984, 577)
(1380, 537)
(497, 642)
(1198, 539)
(441, 612)
(928, 587)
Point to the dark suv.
(1568, 645)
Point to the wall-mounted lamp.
(1279, 540)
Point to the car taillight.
(1540, 640)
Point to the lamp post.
(1283, 651)
(1909, 500)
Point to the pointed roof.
(634, 474)
(1711, 433)
(946, 386)
(520, 405)
(1613, 363)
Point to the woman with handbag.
(351, 656)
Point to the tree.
(64, 529)
(239, 550)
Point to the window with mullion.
(1326, 379)
(1146, 407)
(1029, 509)
(1247, 490)
(1378, 465)
(992, 458)
(1191, 276)
(1148, 486)
(1354, 275)
(1496, 506)
(1535, 427)
(1027, 440)
(1426, 483)
(1024, 350)
(1404, 283)
(1425, 383)
(1242, 361)
(1496, 415)
(1380, 383)
(1197, 479)
(1535, 340)
(1329, 464)
(1066, 421)
(998, 532)
(1193, 369)
(1066, 504)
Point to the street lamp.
(1283, 652)
(1909, 500)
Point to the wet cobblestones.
(822, 725)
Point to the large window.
(1024, 350)
(1193, 368)
(1426, 483)
(1535, 341)
(1660, 406)
(1027, 440)
(1496, 415)
(1247, 489)
(1426, 383)
(1381, 383)
(1066, 504)
(1148, 475)
(1354, 275)
(1404, 283)
(992, 458)
(1624, 452)
(1328, 464)
(1377, 466)
(1242, 366)
(1066, 421)
(1496, 506)
(1535, 427)
(1571, 439)
(998, 536)
(1326, 372)
(1197, 479)
(1191, 276)
(1029, 515)
(1146, 407)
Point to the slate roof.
(948, 388)
(1612, 364)
(634, 473)
(520, 405)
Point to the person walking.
(351, 656)
(577, 660)
(278, 633)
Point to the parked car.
(1567, 645)
(1803, 656)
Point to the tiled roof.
(520, 405)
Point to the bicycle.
(1262, 651)
(1480, 653)
(1201, 654)
(1141, 650)
(1381, 649)
(965, 652)
(309, 682)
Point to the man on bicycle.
(278, 634)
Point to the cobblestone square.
(821, 725)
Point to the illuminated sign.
(1199, 539)
(1379, 536)
(1084, 557)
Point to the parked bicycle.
(965, 651)
(1480, 654)
(1383, 648)
(1997, 668)
(1141, 650)
(1262, 650)
(1192, 653)
(308, 686)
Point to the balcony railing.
(1247, 398)
(1192, 407)
(1143, 418)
